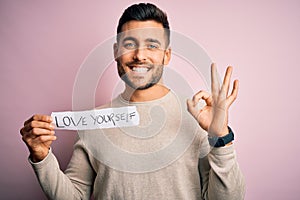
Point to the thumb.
(192, 108)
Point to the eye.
(152, 46)
(129, 45)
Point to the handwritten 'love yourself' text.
(95, 119)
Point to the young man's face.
(141, 53)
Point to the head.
(142, 48)
(143, 12)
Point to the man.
(141, 52)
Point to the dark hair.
(143, 12)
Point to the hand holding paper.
(38, 134)
(38, 131)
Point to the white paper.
(96, 119)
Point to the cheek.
(159, 59)
(125, 57)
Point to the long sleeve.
(75, 183)
(220, 175)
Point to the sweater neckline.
(163, 98)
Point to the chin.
(138, 86)
(147, 86)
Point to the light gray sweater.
(166, 157)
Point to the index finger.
(37, 117)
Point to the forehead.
(142, 30)
(134, 24)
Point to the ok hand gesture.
(213, 117)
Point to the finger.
(215, 85)
(38, 124)
(40, 131)
(191, 107)
(23, 131)
(202, 95)
(37, 117)
(34, 142)
(45, 138)
(226, 81)
(234, 92)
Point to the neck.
(155, 92)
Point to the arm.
(220, 175)
(76, 182)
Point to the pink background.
(44, 43)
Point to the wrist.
(38, 156)
(222, 141)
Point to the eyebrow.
(153, 40)
(147, 40)
(129, 38)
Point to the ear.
(116, 49)
(167, 56)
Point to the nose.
(140, 54)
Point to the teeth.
(140, 69)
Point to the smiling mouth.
(139, 68)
